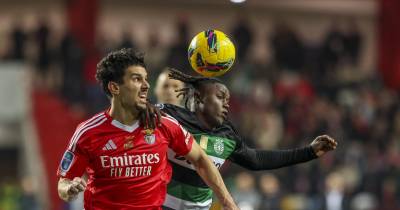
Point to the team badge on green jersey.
(219, 146)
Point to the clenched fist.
(323, 144)
(69, 189)
(77, 185)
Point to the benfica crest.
(149, 136)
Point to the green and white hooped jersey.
(193, 194)
(186, 189)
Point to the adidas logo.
(110, 145)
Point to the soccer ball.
(211, 53)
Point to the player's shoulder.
(169, 121)
(228, 124)
(228, 128)
(177, 112)
(93, 122)
(89, 126)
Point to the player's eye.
(227, 100)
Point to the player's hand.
(323, 144)
(77, 185)
(151, 118)
(230, 206)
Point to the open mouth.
(224, 114)
(143, 96)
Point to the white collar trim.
(127, 128)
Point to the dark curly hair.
(193, 83)
(112, 67)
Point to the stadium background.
(304, 67)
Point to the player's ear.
(113, 87)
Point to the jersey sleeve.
(74, 160)
(255, 159)
(180, 140)
(241, 149)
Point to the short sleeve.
(73, 164)
(180, 140)
(74, 160)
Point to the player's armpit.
(195, 153)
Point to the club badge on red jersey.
(149, 137)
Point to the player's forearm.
(265, 160)
(63, 187)
(211, 176)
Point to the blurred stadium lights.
(237, 1)
(349, 7)
(363, 7)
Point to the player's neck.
(122, 114)
(203, 121)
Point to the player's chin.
(219, 120)
(141, 105)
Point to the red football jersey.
(127, 166)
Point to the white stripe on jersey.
(185, 132)
(218, 162)
(84, 124)
(79, 131)
(179, 204)
(83, 131)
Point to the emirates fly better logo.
(130, 165)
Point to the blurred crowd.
(304, 91)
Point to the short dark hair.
(112, 67)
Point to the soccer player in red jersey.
(127, 164)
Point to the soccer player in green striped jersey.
(209, 100)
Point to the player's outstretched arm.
(254, 159)
(211, 176)
(69, 189)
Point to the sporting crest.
(219, 146)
